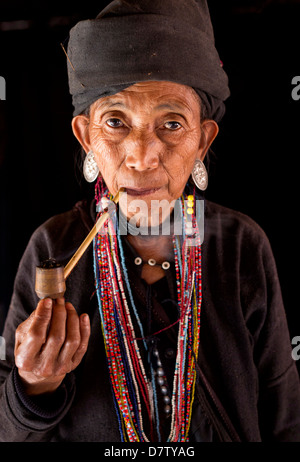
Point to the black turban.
(140, 40)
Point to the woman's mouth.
(140, 191)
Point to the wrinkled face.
(145, 139)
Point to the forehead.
(154, 96)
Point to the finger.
(40, 317)
(47, 362)
(57, 329)
(85, 331)
(72, 339)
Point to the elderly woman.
(121, 357)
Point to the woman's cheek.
(104, 150)
(98, 140)
(181, 163)
(180, 170)
(107, 158)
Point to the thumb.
(39, 319)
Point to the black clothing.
(248, 385)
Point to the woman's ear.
(209, 131)
(80, 127)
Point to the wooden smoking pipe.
(50, 279)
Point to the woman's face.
(145, 140)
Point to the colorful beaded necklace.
(134, 392)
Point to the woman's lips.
(140, 191)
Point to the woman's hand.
(49, 344)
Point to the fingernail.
(48, 303)
(85, 319)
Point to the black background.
(254, 168)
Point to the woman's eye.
(172, 125)
(115, 123)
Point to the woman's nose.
(142, 151)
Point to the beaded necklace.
(134, 392)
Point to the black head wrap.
(140, 40)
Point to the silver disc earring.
(199, 175)
(90, 168)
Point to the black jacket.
(248, 385)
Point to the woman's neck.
(159, 248)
